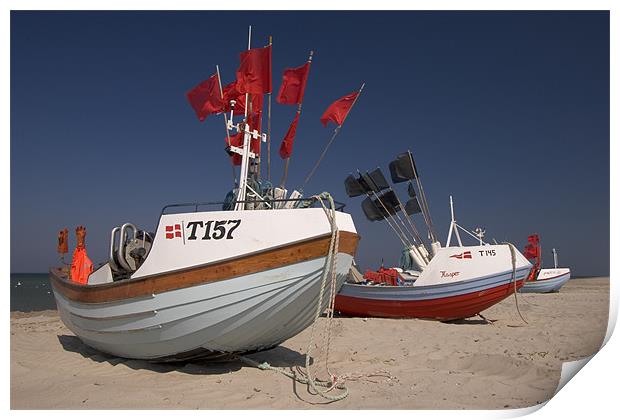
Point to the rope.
(513, 256)
(306, 377)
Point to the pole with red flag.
(288, 159)
(269, 128)
(219, 80)
(243, 175)
(336, 131)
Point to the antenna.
(479, 232)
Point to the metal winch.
(128, 250)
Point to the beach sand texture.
(468, 364)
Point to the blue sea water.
(31, 292)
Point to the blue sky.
(506, 111)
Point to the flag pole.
(336, 131)
(288, 159)
(269, 128)
(219, 81)
(245, 161)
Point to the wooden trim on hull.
(444, 309)
(249, 264)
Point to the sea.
(31, 292)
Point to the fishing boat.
(543, 280)
(214, 278)
(442, 283)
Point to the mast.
(288, 159)
(453, 226)
(219, 81)
(243, 175)
(269, 129)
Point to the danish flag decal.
(174, 231)
(463, 255)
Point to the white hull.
(548, 280)
(250, 293)
(247, 313)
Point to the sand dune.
(415, 363)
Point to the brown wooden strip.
(254, 263)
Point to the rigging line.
(394, 216)
(406, 242)
(427, 213)
(397, 234)
(414, 232)
(403, 241)
(425, 210)
(469, 233)
(410, 220)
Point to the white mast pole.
(243, 176)
(451, 223)
(453, 226)
(555, 258)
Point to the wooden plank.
(253, 263)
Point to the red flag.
(338, 111)
(206, 98)
(533, 239)
(293, 85)
(286, 148)
(531, 251)
(254, 72)
(231, 93)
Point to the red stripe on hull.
(448, 308)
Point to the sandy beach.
(471, 364)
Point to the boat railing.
(308, 202)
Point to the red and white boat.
(445, 283)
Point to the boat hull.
(442, 302)
(548, 281)
(249, 294)
(244, 314)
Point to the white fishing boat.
(543, 280)
(214, 278)
(435, 282)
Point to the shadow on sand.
(278, 357)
